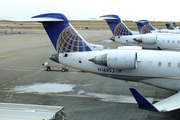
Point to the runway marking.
(26, 76)
(17, 69)
(4, 84)
(3, 56)
(25, 49)
(25, 67)
(20, 78)
(112, 98)
(56, 94)
(12, 81)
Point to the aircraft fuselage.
(163, 41)
(159, 68)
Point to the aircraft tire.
(63, 70)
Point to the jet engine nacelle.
(120, 59)
(147, 39)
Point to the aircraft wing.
(168, 104)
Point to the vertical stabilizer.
(169, 26)
(144, 26)
(117, 27)
(174, 24)
(63, 36)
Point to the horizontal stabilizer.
(108, 18)
(142, 102)
(140, 21)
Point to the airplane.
(145, 27)
(129, 63)
(169, 26)
(175, 26)
(148, 41)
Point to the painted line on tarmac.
(17, 68)
(25, 67)
(4, 56)
(24, 49)
(56, 94)
(5, 84)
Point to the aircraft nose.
(54, 57)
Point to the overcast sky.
(158, 10)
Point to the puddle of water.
(112, 98)
(45, 88)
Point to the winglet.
(142, 102)
(159, 48)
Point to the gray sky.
(159, 10)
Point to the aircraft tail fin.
(63, 35)
(169, 26)
(174, 24)
(142, 102)
(117, 27)
(143, 26)
(149, 25)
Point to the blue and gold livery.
(169, 26)
(63, 36)
(70, 41)
(145, 30)
(121, 30)
(116, 25)
(144, 26)
(174, 24)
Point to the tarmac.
(85, 96)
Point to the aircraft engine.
(120, 59)
(147, 39)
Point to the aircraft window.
(169, 64)
(179, 65)
(65, 55)
(159, 64)
(173, 41)
(168, 41)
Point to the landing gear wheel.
(48, 68)
(63, 70)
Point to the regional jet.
(169, 26)
(145, 27)
(150, 41)
(157, 68)
(175, 26)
